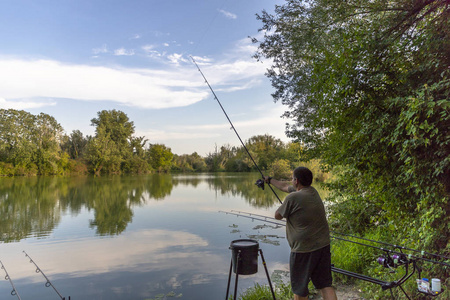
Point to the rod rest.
(385, 285)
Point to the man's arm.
(281, 185)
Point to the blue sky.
(72, 59)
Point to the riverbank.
(343, 292)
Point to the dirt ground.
(343, 292)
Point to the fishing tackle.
(397, 254)
(259, 182)
(48, 283)
(391, 259)
(14, 292)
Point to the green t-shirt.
(306, 223)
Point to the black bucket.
(248, 256)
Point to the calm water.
(132, 237)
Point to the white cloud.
(123, 52)
(176, 58)
(135, 87)
(23, 104)
(228, 14)
(136, 36)
(102, 49)
(27, 83)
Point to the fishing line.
(208, 27)
(259, 183)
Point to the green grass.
(262, 292)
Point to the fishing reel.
(387, 262)
(393, 261)
(260, 183)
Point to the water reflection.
(132, 237)
(33, 206)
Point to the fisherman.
(308, 235)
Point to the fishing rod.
(14, 292)
(259, 183)
(253, 218)
(48, 283)
(399, 255)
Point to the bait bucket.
(248, 256)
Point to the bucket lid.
(244, 243)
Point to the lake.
(133, 237)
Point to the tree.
(116, 124)
(160, 157)
(103, 155)
(264, 149)
(47, 135)
(367, 87)
(113, 143)
(30, 143)
(75, 144)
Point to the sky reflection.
(175, 244)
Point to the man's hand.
(278, 216)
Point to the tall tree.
(30, 143)
(117, 125)
(264, 149)
(111, 145)
(367, 85)
(160, 157)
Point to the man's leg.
(297, 297)
(328, 293)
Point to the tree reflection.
(33, 206)
(27, 205)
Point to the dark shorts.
(314, 265)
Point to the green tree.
(367, 85)
(264, 149)
(16, 146)
(31, 143)
(116, 124)
(103, 155)
(113, 148)
(75, 144)
(160, 157)
(47, 136)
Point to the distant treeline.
(37, 145)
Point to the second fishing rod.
(259, 183)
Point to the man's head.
(304, 176)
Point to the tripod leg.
(237, 274)
(267, 274)
(229, 279)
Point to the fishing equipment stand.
(244, 261)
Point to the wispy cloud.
(102, 49)
(228, 14)
(24, 104)
(123, 52)
(175, 83)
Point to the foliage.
(281, 169)
(367, 87)
(29, 144)
(160, 157)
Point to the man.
(307, 233)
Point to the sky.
(72, 59)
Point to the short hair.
(304, 176)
